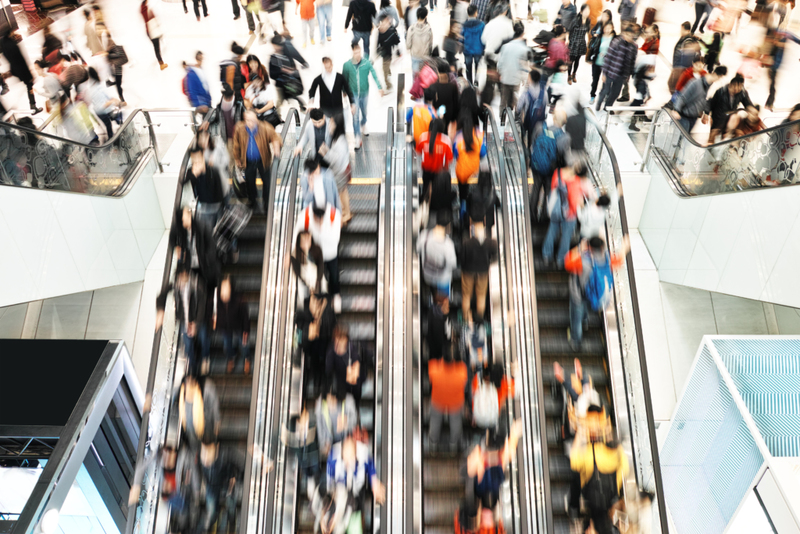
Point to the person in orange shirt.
(448, 378)
(468, 149)
(421, 116)
(595, 7)
(307, 19)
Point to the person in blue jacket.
(195, 86)
(473, 46)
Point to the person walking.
(9, 45)
(473, 46)
(207, 187)
(307, 15)
(479, 251)
(117, 58)
(617, 66)
(627, 11)
(196, 86)
(154, 32)
(255, 143)
(567, 13)
(602, 35)
(325, 18)
(419, 40)
(230, 316)
(333, 87)
(361, 13)
(691, 103)
(387, 41)
(448, 377)
(90, 31)
(577, 42)
(357, 72)
(682, 55)
(197, 8)
(336, 154)
(497, 31)
(563, 202)
(513, 66)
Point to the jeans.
(700, 10)
(454, 420)
(416, 64)
(253, 168)
(363, 36)
(609, 93)
(325, 18)
(106, 120)
(308, 28)
(687, 123)
(332, 273)
(578, 312)
(202, 339)
(469, 62)
(231, 344)
(566, 228)
(360, 115)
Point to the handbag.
(154, 28)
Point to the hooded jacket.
(419, 39)
(473, 30)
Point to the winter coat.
(419, 40)
(473, 29)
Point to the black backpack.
(601, 491)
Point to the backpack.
(433, 268)
(544, 152)
(601, 490)
(598, 287)
(485, 407)
(536, 112)
(558, 203)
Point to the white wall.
(56, 243)
(745, 244)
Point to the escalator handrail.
(545, 516)
(292, 117)
(638, 326)
(166, 278)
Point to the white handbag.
(154, 28)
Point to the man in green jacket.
(356, 72)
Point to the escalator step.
(234, 424)
(234, 391)
(547, 291)
(439, 508)
(366, 204)
(251, 256)
(356, 246)
(366, 276)
(555, 313)
(358, 299)
(560, 470)
(442, 474)
(362, 223)
(361, 326)
(555, 342)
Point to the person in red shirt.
(436, 151)
(697, 70)
(448, 378)
(563, 218)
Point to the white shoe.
(337, 304)
(358, 143)
(364, 131)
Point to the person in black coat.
(9, 45)
(207, 187)
(332, 89)
(230, 316)
(194, 243)
(316, 321)
(190, 295)
(482, 201)
(344, 365)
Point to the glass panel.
(768, 158)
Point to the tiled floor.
(675, 318)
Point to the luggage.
(234, 218)
(649, 17)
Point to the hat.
(237, 49)
(319, 201)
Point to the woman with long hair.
(336, 153)
(469, 149)
(308, 264)
(436, 152)
(577, 41)
(598, 57)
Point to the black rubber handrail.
(637, 320)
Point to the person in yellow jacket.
(601, 468)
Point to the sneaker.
(329, 38)
(198, 18)
(237, 17)
(358, 143)
(164, 66)
(34, 111)
(591, 101)
(574, 345)
(312, 42)
(632, 126)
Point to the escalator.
(612, 351)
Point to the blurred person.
(337, 416)
(283, 70)
(265, 102)
(602, 35)
(103, 105)
(316, 322)
(9, 45)
(479, 251)
(324, 222)
(331, 506)
(361, 13)
(469, 148)
(577, 40)
(345, 364)
(196, 85)
(255, 143)
(702, 12)
(567, 13)
(90, 31)
(47, 84)
(217, 156)
(336, 154)
(445, 99)
(452, 44)
(497, 31)
(419, 40)
(611, 466)
(198, 410)
(744, 122)
(697, 70)
(566, 197)
(617, 67)
(440, 328)
(441, 196)
(627, 11)
(223, 474)
(459, 12)
(308, 265)
(713, 50)
(313, 135)
(390, 11)
(437, 255)
(591, 282)
(76, 120)
(333, 87)
(473, 46)
(207, 187)
(436, 153)
(778, 40)
(557, 50)
(387, 41)
(51, 42)
(482, 201)
(350, 464)
(116, 58)
(190, 307)
(644, 72)
(726, 100)
(558, 83)
(307, 16)
(357, 72)
(154, 31)
(531, 110)
(575, 125)
(195, 246)
(487, 461)
(255, 69)
(232, 71)
(592, 216)
(228, 113)
(197, 8)
(595, 10)
(682, 55)
(548, 152)
(448, 378)
(315, 175)
(230, 316)
(299, 434)
(513, 66)
(420, 115)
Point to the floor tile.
(12, 318)
(64, 321)
(738, 316)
